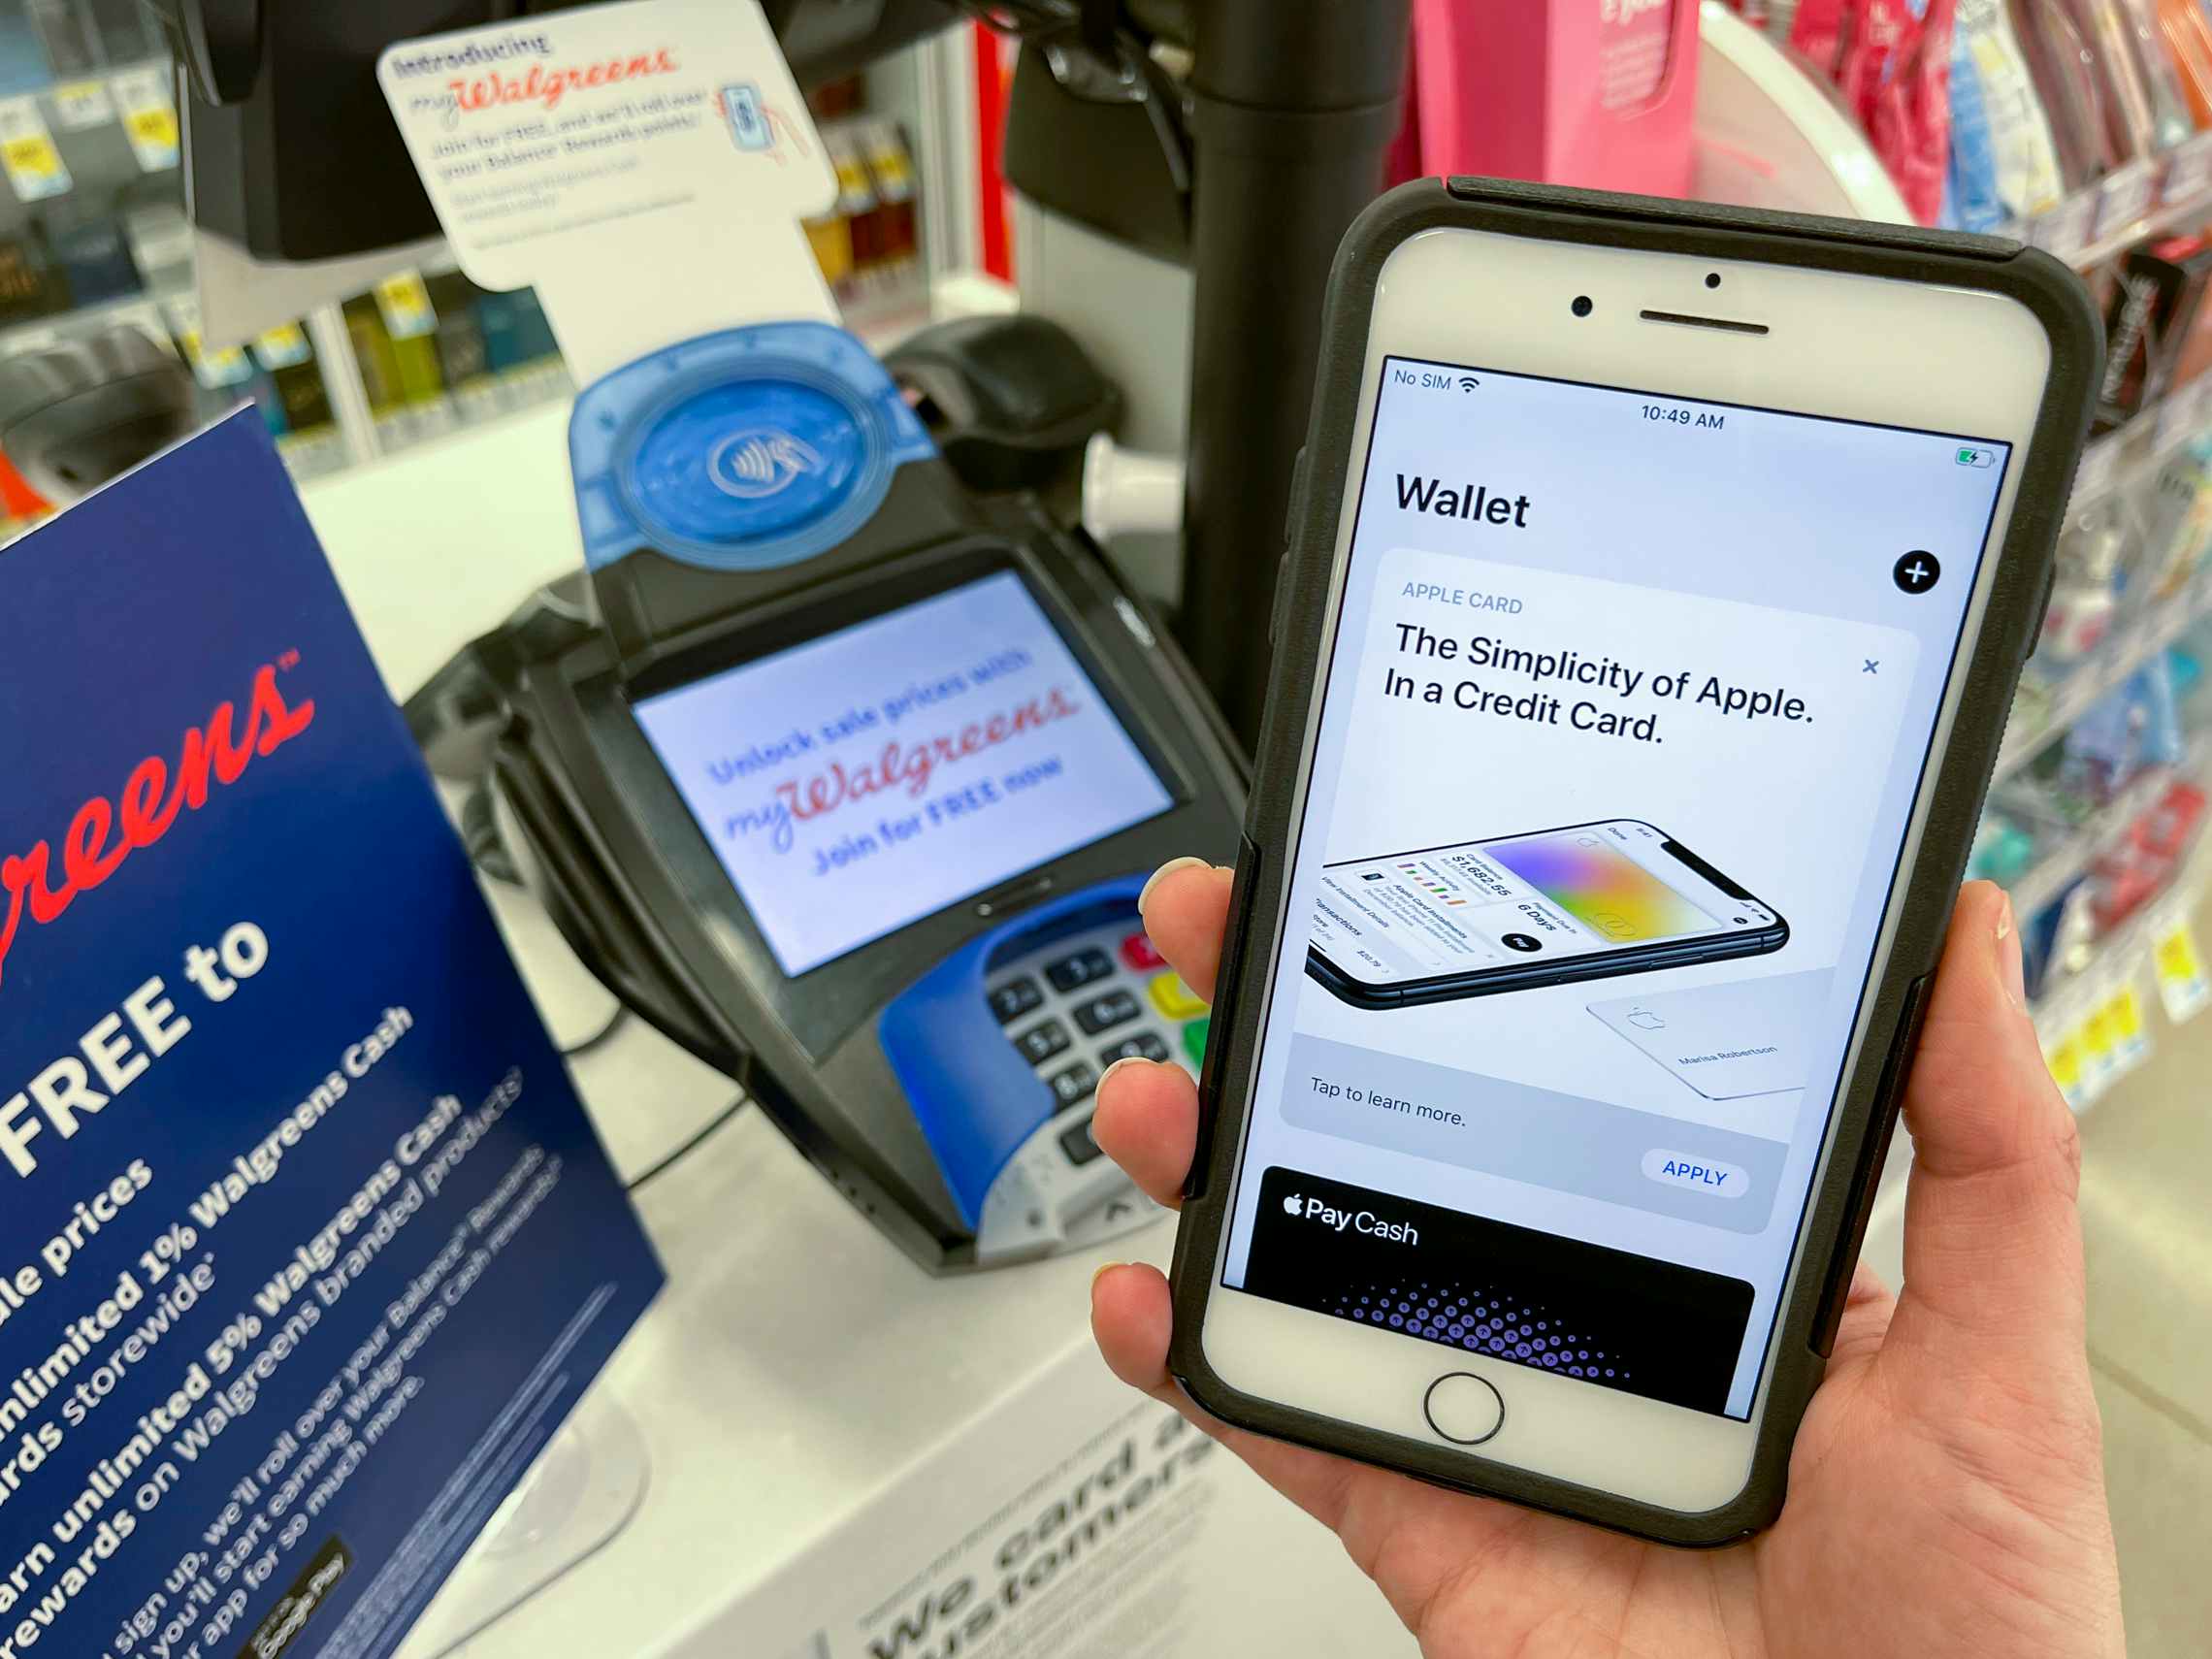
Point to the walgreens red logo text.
(102, 834)
(548, 86)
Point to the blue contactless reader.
(848, 779)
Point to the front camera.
(1712, 278)
(1581, 307)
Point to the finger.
(1992, 1236)
(1146, 1121)
(1186, 906)
(1130, 1316)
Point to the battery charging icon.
(1969, 456)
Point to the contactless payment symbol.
(763, 462)
(748, 122)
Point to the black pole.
(1294, 104)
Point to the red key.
(1138, 952)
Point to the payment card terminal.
(848, 779)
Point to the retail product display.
(1597, 95)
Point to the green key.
(1194, 1039)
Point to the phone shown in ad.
(1561, 905)
(1648, 632)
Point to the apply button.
(1697, 1174)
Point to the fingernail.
(1108, 1076)
(1105, 1268)
(1167, 869)
(2011, 972)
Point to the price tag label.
(150, 119)
(2126, 196)
(214, 370)
(34, 167)
(2064, 1060)
(2180, 971)
(2099, 1053)
(2130, 1036)
(284, 348)
(79, 105)
(404, 304)
(2064, 230)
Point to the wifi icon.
(1468, 382)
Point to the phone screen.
(1594, 895)
(1623, 724)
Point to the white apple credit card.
(1748, 1037)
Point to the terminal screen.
(873, 776)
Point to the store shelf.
(2122, 653)
(2056, 870)
(2169, 217)
(2128, 455)
(2126, 951)
(2114, 214)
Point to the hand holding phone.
(1663, 572)
(1968, 1398)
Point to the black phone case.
(1954, 783)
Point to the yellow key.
(1174, 999)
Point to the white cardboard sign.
(643, 165)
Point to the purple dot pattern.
(1493, 1322)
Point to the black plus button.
(1917, 572)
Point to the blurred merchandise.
(2187, 33)
(1891, 62)
(2003, 849)
(2137, 867)
(890, 171)
(2153, 310)
(2004, 165)
(2177, 522)
(2065, 74)
(2139, 40)
(1597, 93)
(2091, 556)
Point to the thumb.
(1992, 1236)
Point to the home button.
(1463, 1407)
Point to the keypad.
(1145, 1044)
(1040, 1043)
(1104, 1013)
(1015, 999)
(1174, 999)
(1139, 957)
(1074, 1007)
(1073, 1083)
(1081, 968)
(1081, 1145)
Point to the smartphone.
(1735, 523)
(1554, 907)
